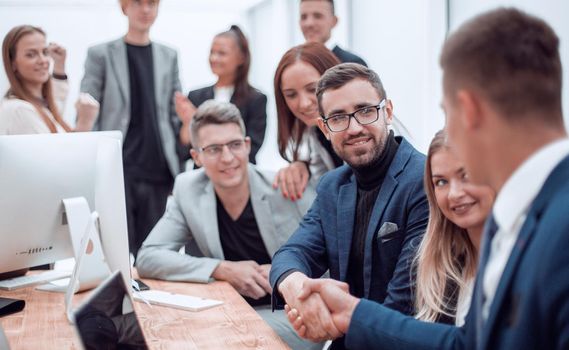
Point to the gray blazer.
(191, 217)
(107, 80)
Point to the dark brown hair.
(342, 74)
(290, 128)
(17, 89)
(509, 57)
(242, 87)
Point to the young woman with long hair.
(229, 59)
(34, 100)
(299, 140)
(447, 258)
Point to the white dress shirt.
(511, 208)
(463, 303)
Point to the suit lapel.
(263, 214)
(558, 176)
(208, 206)
(345, 223)
(119, 62)
(509, 271)
(157, 56)
(384, 196)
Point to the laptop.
(106, 320)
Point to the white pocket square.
(386, 229)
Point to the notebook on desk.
(106, 320)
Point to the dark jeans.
(145, 205)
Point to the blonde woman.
(35, 98)
(448, 255)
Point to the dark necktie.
(490, 230)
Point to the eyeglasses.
(364, 116)
(215, 151)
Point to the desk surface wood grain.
(234, 325)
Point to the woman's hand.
(58, 53)
(87, 112)
(185, 110)
(292, 180)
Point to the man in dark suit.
(502, 98)
(369, 215)
(317, 19)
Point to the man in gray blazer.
(230, 215)
(134, 80)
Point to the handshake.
(318, 309)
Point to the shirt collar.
(524, 184)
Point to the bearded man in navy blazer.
(502, 97)
(369, 215)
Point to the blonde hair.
(446, 259)
(17, 89)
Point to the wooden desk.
(233, 325)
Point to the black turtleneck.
(369, 180)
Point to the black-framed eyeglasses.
(215, 150)
(364, 116)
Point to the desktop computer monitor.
(36, 173)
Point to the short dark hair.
(214, 112)
(330, 1)
(338, 76)
(511, 58)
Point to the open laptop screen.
(107, 319)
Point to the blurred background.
(401, 40)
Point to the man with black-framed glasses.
(369, 215)
(227, 215)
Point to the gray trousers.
(279, 323)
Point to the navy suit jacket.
(324, 238)
(253, 112)
(530, 309)
(346, 56)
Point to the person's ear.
(469, 108)
(196, 157)
(388, 111)
(248, 144)
(322, 126)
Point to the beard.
(361, 159)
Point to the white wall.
(400, 40)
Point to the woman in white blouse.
(447, 258)
(33, 103)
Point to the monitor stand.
(90, 267)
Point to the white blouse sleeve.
(60, 91)
(19, 117)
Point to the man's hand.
(87, 111)
(292, 180)
(245, 276)
(58, 54)
(336, 297)
(315, 316)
